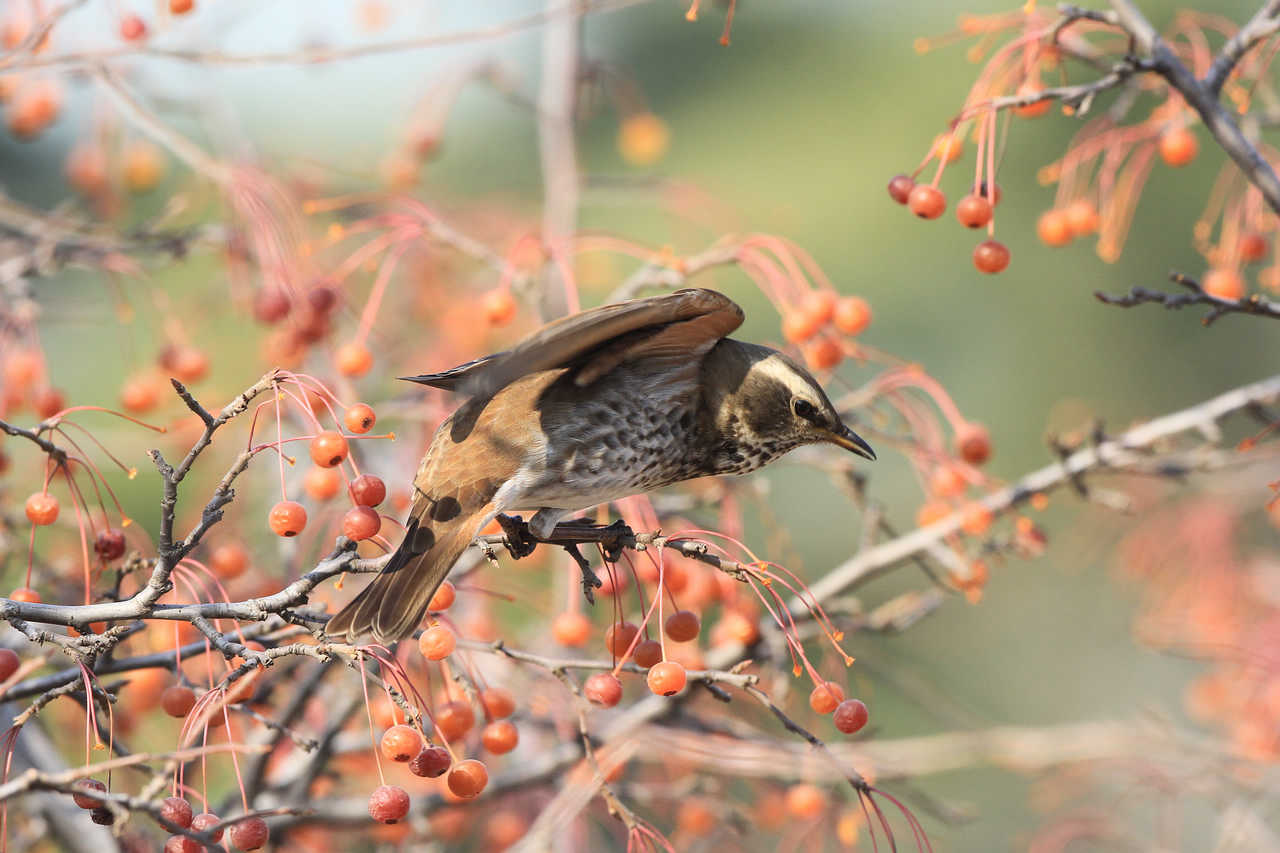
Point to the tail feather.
(395, 601)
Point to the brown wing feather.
(569, 340)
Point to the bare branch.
(1253, 304)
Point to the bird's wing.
(680, 325)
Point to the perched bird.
(591, 408)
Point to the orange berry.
(48, 402)
(806, 801)
(571, 628)
(143, 165)
(400, 743)
(189, 364)
(666, 678)
(947, 482)
(643, 139)
(287, 518)
(359, 418)
(25, 594)
(1054, 228)
(321, 484)
(177, 701)
(852, 315)
(139, 394)
(1178, 146)
(823, 353)
(1082, 218)
(229, 560)
(927, 202)
(932, 512)
(825, 697)
(499, 307)
(1223, 283)
(353, 359)
(976, 519)
(468, 779)
(328, 449)
(181, 7)
(990, 256)
(443, 597)
(132, 28)
(797, 326)
(388, 804)
(437, 643)
(947, 146)
(1035, 110)
(973, 211)
(819, 305)
(86, 169)
(500, 737)
(22, 368)
(455, 719)
(42, 509)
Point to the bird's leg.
(611, 543)
(520, 541)
(590, 580)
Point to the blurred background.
(793, 129)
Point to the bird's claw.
(590, 580)
(520, 541)
(611, 540)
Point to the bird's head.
(767, 404)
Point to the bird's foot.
(590, 580)
(520, 541)
(611, 543)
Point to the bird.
(594, 407)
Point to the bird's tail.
(393, 604)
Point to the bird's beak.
(844, 437)
(422, 379)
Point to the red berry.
(823, 353)
(900, 187)
(177, 811)
(182, 844)
(455, 719)
(851, 715)
(571, 628)
(603, 689)
(618, 638)
(666, 678)
(973, 211)
(360, 523)
(42, 509)
(973, 443)
(1178, 146)
(443, 597)
(102, 816)
(498, 702)
(994, 196)
(287, 518)
(500, 737)
(271, 305)
(132, 28)
(206, 821)
(359, 419)
(647, 653)
(1253, 247)
(683, 626)
(990, 256)
(437, 643)
(328, 449)
(321, 484)
(431, 762)
(48, 402)
(388, 804)
(189, 364)
(400, 743)
(368, 490)
(468, 779)
(8, 664)
(353, 359)
(109, 544)
(927, 202)
(229, 560)
(177, 701)
(825, 697)
(85, 790)
(250, 834)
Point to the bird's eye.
(804, 409)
